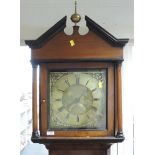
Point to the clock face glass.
(77, 100)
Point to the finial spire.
(75, 6)
(75, 17)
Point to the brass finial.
(75, 17)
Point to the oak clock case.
(80, 98)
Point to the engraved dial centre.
(77, 99)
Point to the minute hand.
(83, 93)
(72, 103)
(76, 100)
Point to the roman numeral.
(61, 109)
(88, 116)
(67, 82)
(96, 99)
(67, 116)
(86, 83)
(94, 89)
(77, 79)
(61, 90)
(78, 118)
(58, 99)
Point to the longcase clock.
(80, 105)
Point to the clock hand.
(77, 99)
(82, 94)
(72, 103)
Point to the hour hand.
(73, 102)
(82, 94)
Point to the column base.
(120, 134)
(35, 134)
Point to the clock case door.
(46, 68)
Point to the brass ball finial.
(75, 17)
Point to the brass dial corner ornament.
(75, 18)
(77, 100)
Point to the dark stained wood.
(78, 140)
(77, 148)
(77, 152)
(34, 101)
(49, 34)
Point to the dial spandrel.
(77, 100)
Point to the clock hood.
(60, 25)
(97, 44)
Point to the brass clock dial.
(77, 100)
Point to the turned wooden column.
(119, 99)
(35, 133)
(43, 99)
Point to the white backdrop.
(126, 148)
